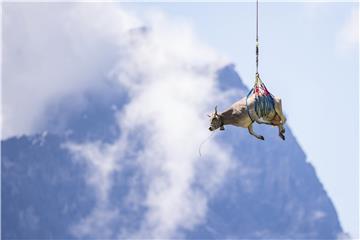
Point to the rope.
(204, 141)
(257, 36)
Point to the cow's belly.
(242, 120)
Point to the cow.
(242, 114)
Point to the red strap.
(261, 90)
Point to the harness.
(264, 101)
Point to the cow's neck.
(226, 117)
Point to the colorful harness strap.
(264, 101)
(247, 106)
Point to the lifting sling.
(264, 100)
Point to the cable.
(257, 36)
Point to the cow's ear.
(215, 110)
(208, 115)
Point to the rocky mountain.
(272, 192)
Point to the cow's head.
(216, 121)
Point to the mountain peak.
(271, 191)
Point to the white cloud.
(170, 79)
(97, 224)
(52, 51)
(101, 161)
(348, 35)
(168, 105)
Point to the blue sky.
(309, 56)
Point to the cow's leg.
(251, 131)
(281, 132)
(281, 129)
(277, 122)
(278, 109)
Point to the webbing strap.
(247, 106)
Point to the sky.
(309, 56)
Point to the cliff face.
(271, 192)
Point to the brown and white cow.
(242, 114)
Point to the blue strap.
(247, 107)
(264, 106)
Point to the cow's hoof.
(261, 138)
(282, 136)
